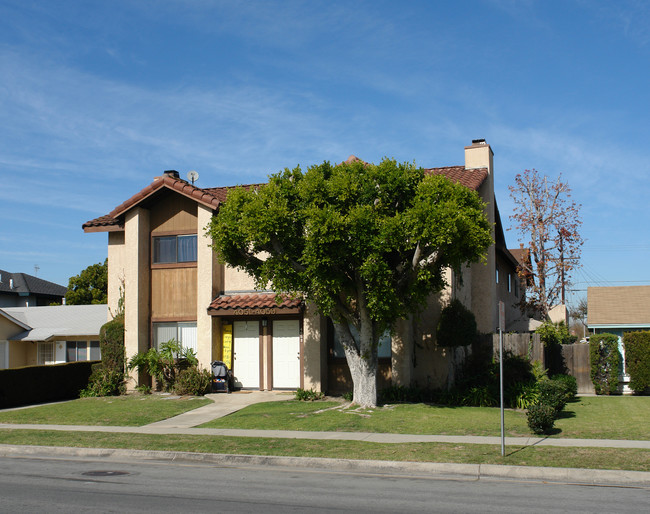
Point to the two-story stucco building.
(175, 287)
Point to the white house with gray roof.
(50, 335)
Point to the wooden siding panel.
(173, 293)
(174, 213)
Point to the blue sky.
(97, 98)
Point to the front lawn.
(130, 410)
(588, 417)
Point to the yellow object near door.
(227, 346)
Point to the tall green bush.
(637, 360)
(109, 378)
(605, 362)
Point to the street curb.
(413, 469)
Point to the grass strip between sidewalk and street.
(571, 457)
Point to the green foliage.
(555, 333)
(569, 385)
(457, 326)
(541, 418)
(108, 378)
(522, 395)
(166, 364)
(193, 381)
(89, 287)
(480, 396)
(367, 244)
(347, 396)
(143, 389)
(308, 395)
(637, 360)
(553, 394)
(605, 362)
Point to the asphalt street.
(47, 484)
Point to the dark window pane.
(95, 353)
(71, 351)
(187, 248)
(164, 249)
(82, 353)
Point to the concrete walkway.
(223, 404)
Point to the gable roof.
(213, 196)
(29, 284)
(622, 305)
(45, 323)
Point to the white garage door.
(246, 365)
(286, 353)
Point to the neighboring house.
(616, 310)
(23, 290)
(175, 288)
(50, 335)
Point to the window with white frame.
(174, 249)
(383, 351)
(82, 351)
(45, 353)
(182, 331)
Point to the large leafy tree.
(549, 223)
(366, 243)
(89, 287)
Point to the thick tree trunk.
(362, 361)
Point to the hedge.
(42, 384)
(605, 362)
(637, 360)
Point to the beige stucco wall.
(208, 280)
(136, 284)
(484, 297)
(116, 273)
(237, 280)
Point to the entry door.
(286, 353)
(246, 363)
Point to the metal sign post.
(502, 322)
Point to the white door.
(246, 349)
(286, 353)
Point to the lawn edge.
(383, 467)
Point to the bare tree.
(550, 221)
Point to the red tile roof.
(472, 179)
(214, 196)
(253, 301)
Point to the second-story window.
(172, 249)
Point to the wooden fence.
(567, 358)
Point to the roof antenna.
(36, 268)
(192, 175)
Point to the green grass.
(588, 417)
(130, 410)
(591, 458)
